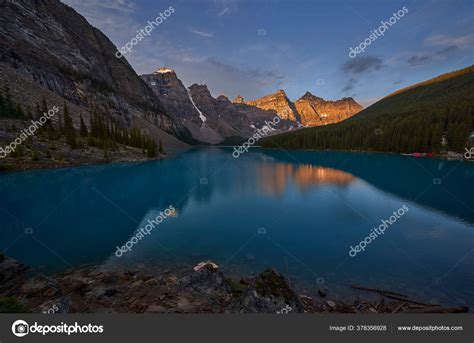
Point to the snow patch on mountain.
(201, 115)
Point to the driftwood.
(393, 295)
(380, 304)
(410, 301)
(378, 290)
(399, 307)
(400, 304)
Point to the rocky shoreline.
(13, 165)
(204, 289)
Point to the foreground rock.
(207, 290)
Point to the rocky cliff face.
(277, 102)
(316, 111)
(49, 50)
(172, 94)
(208, 119)
(220, 114)
(309, 110)
(234, 119)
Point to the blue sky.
(253, 48)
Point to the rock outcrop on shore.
(203, 290)
(91, 290)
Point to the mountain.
(49, 51)
(177, 101)
(172, 94)
(277, 102)
(209, 120)
(315, 111)
(413, 119)
(309, 110)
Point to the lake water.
(298, 212)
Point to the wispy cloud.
(425, 58)
(419, 60)
(113, 17)
(115, 5)
(446, 45)
(461, 42)
(224, 7)
(202, 33)
(350, 85)
(223, 12)
(362, 64)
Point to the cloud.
(113, 17)
(357, 67)
(350, 85)
(224, 11)
(362, 64)
(227, 78)
(417, 60)
(98, 6)
(257, 73)
(461, 42)
(202, 33)
(445, 46)
(224, 7)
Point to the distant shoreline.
(32, 165)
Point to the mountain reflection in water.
(273, 178)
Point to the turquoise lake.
(298, 212)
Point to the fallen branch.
(410, 301)
(377, 290)
(399, 307)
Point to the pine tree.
(3, 111)
(161, 150)
(83, 128)
(28, 114)
(69, 129)
(19, 111)
(151, 148)
(8, 103)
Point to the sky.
(253, 48)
